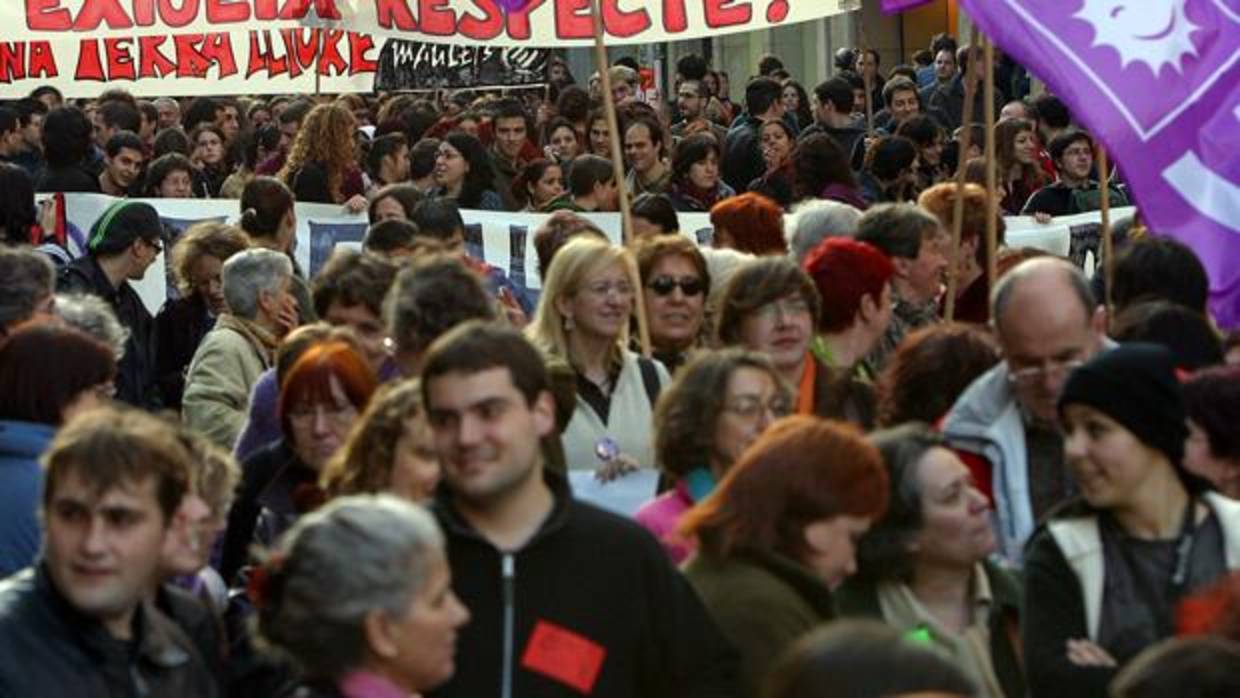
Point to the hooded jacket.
(590, 598)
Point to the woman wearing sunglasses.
(675, 283)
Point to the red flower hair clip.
(258, 586)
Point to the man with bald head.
(1005, 423)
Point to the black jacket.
(48, 648)
(179, 329)
(269, 479)
(742, 154)
(595, 586)
(135, 377)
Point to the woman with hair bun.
(359, 595)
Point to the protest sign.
(417, 65)
(539, 23)
(262, 62)
(1158, 84)
(503, 240)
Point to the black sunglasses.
(664, 285)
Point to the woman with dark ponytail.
(269, 218)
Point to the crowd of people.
(357, 483)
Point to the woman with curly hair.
(464, 173)
(390, 449)
(322, 162)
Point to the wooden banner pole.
(992, 197)
(1108, 250)
(617, 163)
(966, 140)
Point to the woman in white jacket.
(1104, 576)
(583, 318)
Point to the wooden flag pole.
(617, 164)
(992, 198)
(966, 140)
(1108, 256)
(869, 83)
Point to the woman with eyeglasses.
(583, 318)
(675, 283)
(717, 406)
(1105, 574)
(778, 535)
(770, 306)
(320, 399)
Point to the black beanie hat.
(1134, 384)
(121, 224)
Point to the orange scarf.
(805, 393)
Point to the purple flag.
(891, 7)
(1158, 83)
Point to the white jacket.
(629, 420)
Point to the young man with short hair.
(557, 612)
(691, 101)
(122, 165)
(833, 114)
(1074, 191)
(348, 291)
(511, 135)
(78, 623)
(643, 148)
(123, 243)
(914, 240)
(742, 152)
(591, 187)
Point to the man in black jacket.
(566, 599)
(77, 625)
(124, 242)
(742, 153)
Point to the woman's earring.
(568, 323)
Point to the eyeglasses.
(688, 285)
(787, 307)
(154, 245)
(305, 415)
(750, 407)
(1054, 368)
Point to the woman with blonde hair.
(390, 449)
(322, 162)
(583, 318)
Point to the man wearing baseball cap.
(123, 243)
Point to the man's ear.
(902, 265)
(544, 414)
(1099, 324)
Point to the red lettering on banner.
(620, 23)
(120, 63)
(180, 16)
(265, 9)
(261, 59)
(572, 19)
(47, 15)
(152, 63)
(221, 11)
(331, 57)
(297, 9)
(144, 12)
(519, 20)
(436, 20)
(190, 61)
(217, 49)
(719, 14)
(89, 66)
(777, 11)
(12, 61)
(359, 62)
(96, 11)
(488, 26)
(300, 50)
(42, 61)
(674, 17)
(395, 14)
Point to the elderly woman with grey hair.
(359, 594)
(230, 359)
(923, 567)
(814, 220)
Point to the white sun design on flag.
(1157, 34)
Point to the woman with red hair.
(854, 280)
(972, 286)
(778, 534)
(749, 223)
(320, 399)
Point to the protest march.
(683, 348)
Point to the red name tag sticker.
(564, 655)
